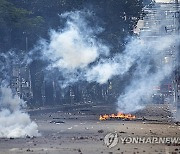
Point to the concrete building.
(21, 82)
(161, 18)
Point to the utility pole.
(26, 44)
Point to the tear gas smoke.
(75, 48)
(77, 53)
(148, 54)
(102, 72)
(14, 122)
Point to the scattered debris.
(57, 122)
(100, 131)
(83, 138)
(27, 136)
(79, 150)
(29, 150)
(31, 137)
(122, 132)
(173, 144)
(177, 123)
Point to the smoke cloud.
(14, 122)
(75, 50)
(102, 72)
(79, 55)
(69, 50)
(75, 46)
(152, 58)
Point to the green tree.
(15, 23)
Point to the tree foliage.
(23, 22)
(14, 23)
(34, 18)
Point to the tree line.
(24, 22)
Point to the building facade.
(161, 18)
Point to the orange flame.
(117, 116)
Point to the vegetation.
(23, 18)
(15, 24)
(23, 22)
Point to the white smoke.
(102, 72)
(75, 46)
(14, 122)
(139, 92)
(75, 50)
(151, 69)
(68, 49)
(77, 53)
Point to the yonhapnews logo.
(111, 140)
(150, 140)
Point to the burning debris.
(117, 116)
